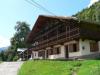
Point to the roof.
(21, 49)
(43, 18)
(58, 17)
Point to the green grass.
(47, 67)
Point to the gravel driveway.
(10, 68)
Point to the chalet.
(55, 37)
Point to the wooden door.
(66, 52)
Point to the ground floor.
(71, 49)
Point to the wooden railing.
(60, 38)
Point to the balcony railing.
(60, 38)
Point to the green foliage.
(15, 58)
(19, 38)
(7, 55)
(2, 56)
(91, 14)
(91, 67)
(47, 67)
(17, 41)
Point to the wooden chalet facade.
(63, 37)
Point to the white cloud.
(92, 2)
(4, 42)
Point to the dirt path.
(10, 68)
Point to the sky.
(92, 2)
(12, 11)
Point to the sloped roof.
(42, 19)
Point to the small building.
(24, 53)
(55, 37)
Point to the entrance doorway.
(66, 52)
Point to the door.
(43, 54)
(47, 54)
(66, 52)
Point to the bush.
(15, 58)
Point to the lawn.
(47, 67)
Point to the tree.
(91, 14)
(19, 38)
(2, 56)
(17, 41)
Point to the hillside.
(91, 14)
(3, 48)
(49, 67)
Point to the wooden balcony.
(58, 39)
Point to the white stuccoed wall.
(63, 51)
(99, 45)
(86, 45)
(73, 54)
(35, 54)
(81, 52)
(61, 55)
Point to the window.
(57, 50)
(35, 54)
(73, 47)
(93, 46)
(51, 51)
(39, 54)
(47, 53)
